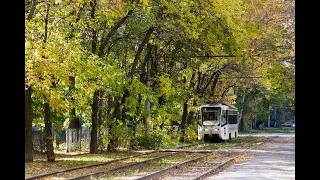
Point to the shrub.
(119, 135)
(191, 132)
(158, 138)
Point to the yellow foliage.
(104, 79)
(144, 2)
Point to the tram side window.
(232, 119)
(224, 118)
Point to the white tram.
(217, 122)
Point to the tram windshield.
(211, 118)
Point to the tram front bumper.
(203, 131)
(210, 131)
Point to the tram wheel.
(214, 138)
(206, 138)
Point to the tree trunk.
(47, 115)
(28, 126)
(184, 120)
(143, 70)
(241, 112)
(213, 88)
(123, 101)
(57, 138)
(100, 133)
(94, 120)
(95, 99)
(275, 118)
(255, 112)
(112, 144)
(74, 121)
(190, 117)
(115, 115)
(197, 90)
(48, 133)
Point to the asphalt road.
(272, 161)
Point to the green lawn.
(269, 130)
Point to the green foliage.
(259, 34)
(174, 136)
(119, 134)
(166, 86)
(191, 132)
(158, 138)
(269, 130)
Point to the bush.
(191, 132)
(158, 138)
(118, 135)
(174, 133)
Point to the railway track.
(196, 167)
(197, 164)
(121, 167)
(54, 174)
(199, 169)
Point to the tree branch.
(224, 92)
(211, 77)
(105, 40)
(33, 8)
(93, 4)
(214, 84)
(77, 20)
(139, 51)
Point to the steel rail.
(84, 166)
(168, 169)
(215, 170)
(222, 165)
(121, 167)
(37, 176)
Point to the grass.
(269, 130)
(151, 166)
(65, 162)
(247, 141)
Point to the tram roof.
(223, 106)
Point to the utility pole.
(148, 104)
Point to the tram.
(217, 122)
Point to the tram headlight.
(216, 129)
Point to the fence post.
(67, 140)
(80, 137)
(40, 138)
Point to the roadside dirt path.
(272, 160)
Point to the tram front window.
(210, 118)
